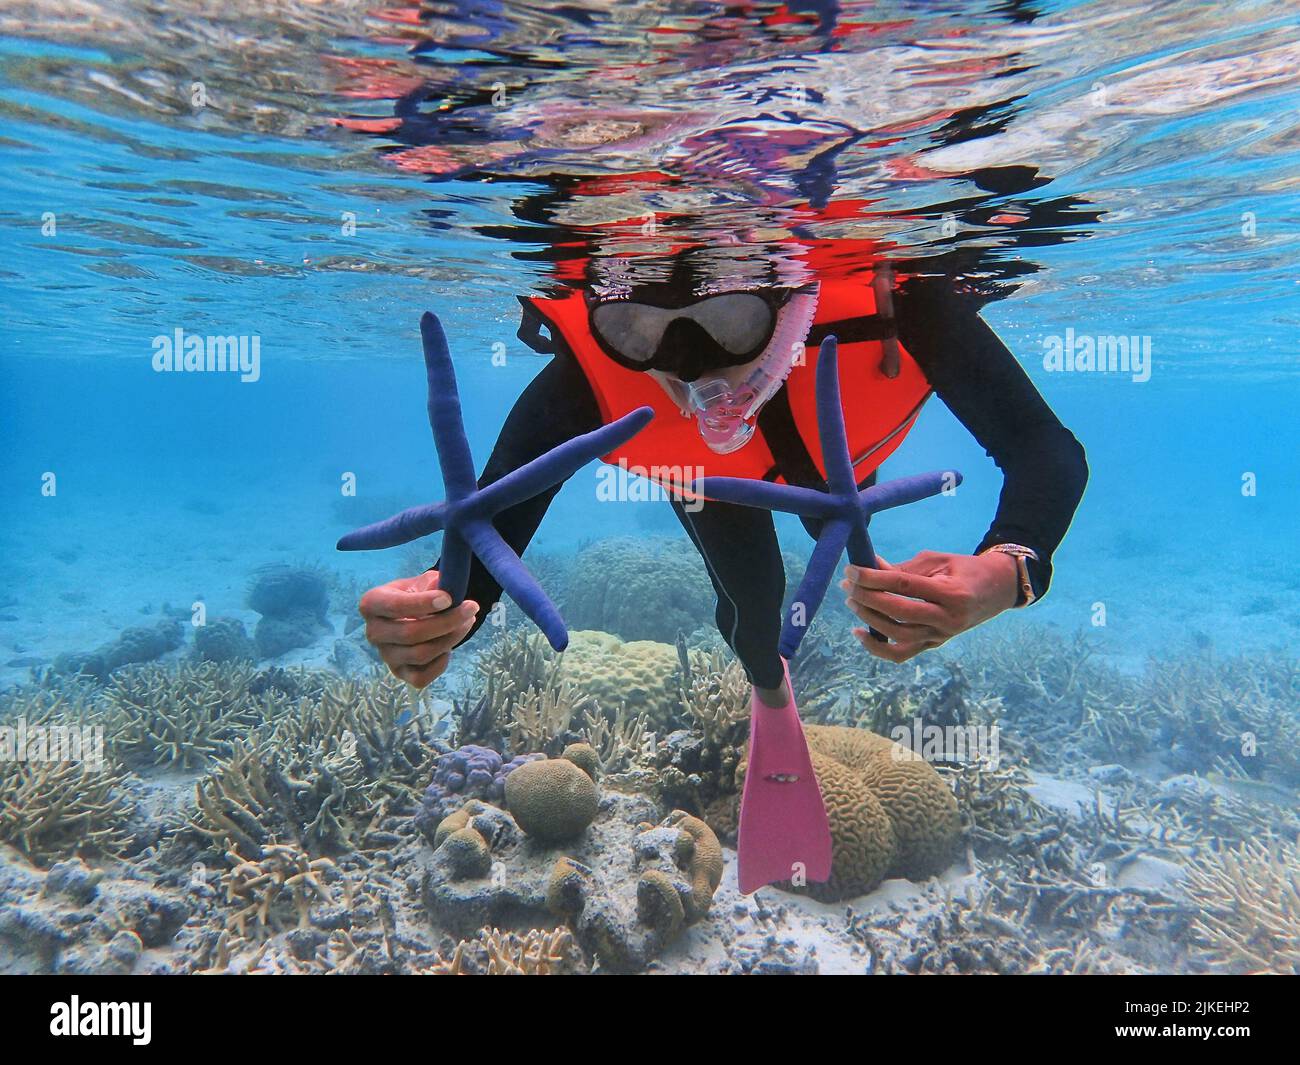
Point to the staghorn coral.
(324, 776)
(620, 743)
(1240, 708)
(696, 768)
(524, 705)
(496, 953)
(547, 719)
(1248, 906)
(283, 880)
(552, 800)
(182, 715)
(59, 794)
(56, 809)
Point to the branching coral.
(696, 768)
(283, 878)
(1248, 902)
(497, 953)
(324, 776)
(54, 809)
(59, 796)
(184, 714)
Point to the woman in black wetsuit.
(917, 604)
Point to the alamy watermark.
(182, 352)
(20, 742)
(951, 744)
(1090, 353)
(626, 483)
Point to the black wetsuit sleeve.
(557, 405)
(1044, 467)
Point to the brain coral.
(891, 814)
(639, 589)
(640, 675)
(551, 800)
(920, 806)
(864, 846)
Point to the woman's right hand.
(414, 626)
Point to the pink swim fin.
(783, 826)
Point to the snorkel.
(725, 403)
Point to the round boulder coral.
(551, 800)
(640, 676)
(639, 589)
(920, 806)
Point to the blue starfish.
(843, 510)
(465, 518)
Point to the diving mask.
(719, 359)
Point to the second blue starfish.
(843, 509)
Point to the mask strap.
(883, 287)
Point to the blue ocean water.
(128, 217)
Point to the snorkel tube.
(724, 410)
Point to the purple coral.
(469, 772)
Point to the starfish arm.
(453, 567)
(906, 490)
(559, 463)
(830, 422)
(789, 499)
(400, 529)
(816, 579)
(861, 550)
(518, 583)
(454, 458)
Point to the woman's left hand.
(927, 600)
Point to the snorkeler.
(730, 375)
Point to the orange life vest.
(880, 409)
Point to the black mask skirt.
(688, 340)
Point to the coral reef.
(496, 953)
(1248, 906)
(279, 886)
(182, 715)
(920, 806)
(53, 809)
(293, 602)
(695, 768)
(637, 676)
(468, 772)
(639, 589)
(141, 644)
(324, 776)
(891, 814)
(627, 887)
(76, 919)
(223, 640)
(553, 799)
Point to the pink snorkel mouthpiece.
(721, 415)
